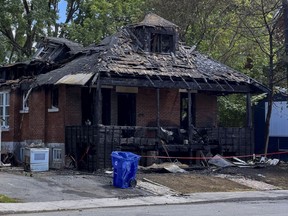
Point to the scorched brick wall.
(206, 110)
(146, 108)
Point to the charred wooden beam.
(190, 134)
(229, 85)
(159, 77)
(98, 103)
(207, 82)
(175, 84)
(248, 111)
(95, 78)
(134, 37)
(185, 82)
(196, 83)
(150, 81)
(158, 108)
(219, 85)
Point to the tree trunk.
(270, 94)
(267, 122)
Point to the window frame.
(47, 51)
(156, 42)
(25, 102)
(54, 100)
(5, 103)
(56, 154)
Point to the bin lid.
(124, 155)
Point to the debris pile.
(222, 162)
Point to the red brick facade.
(42, 123)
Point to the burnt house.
(139, 90)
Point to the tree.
(96, 19)
(260, 19)
(22, 22)
(239, 33)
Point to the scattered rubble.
(222, 162)
(173, 167)
(155, 188)
(219, 161)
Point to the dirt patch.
(223, 180)
(192, 183)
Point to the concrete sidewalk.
(142, 201)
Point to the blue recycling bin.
(125, 166)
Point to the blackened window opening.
(54, 97)
(161, 43)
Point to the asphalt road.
(255, 208)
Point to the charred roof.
(134, 57)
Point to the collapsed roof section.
(51, 54)
(147, 54)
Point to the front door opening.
(184, 110)
(126, 109)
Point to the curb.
(195, 198)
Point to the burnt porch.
(91, 146)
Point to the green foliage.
(5, 199)
(241, 34)
(97, 19)
(232, 111)
(22, 22)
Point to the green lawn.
(5, 199)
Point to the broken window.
(184, 116)
(54, 100)
(25, 106)
(54, 97)
(161, 43)
(46, 52)
(4, 109)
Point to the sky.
(62, 10)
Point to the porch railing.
(91, 146)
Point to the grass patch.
(5, 199)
